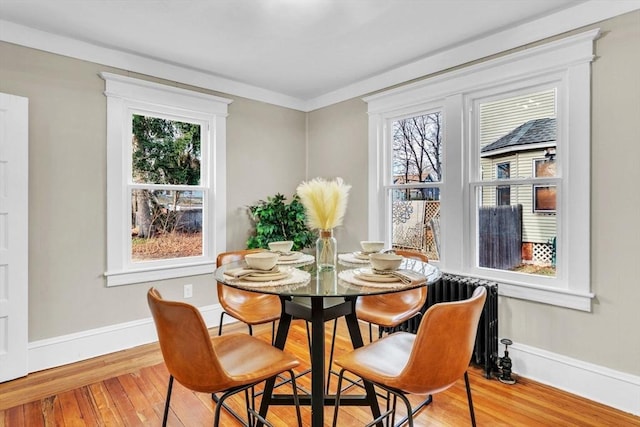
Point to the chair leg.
(220, 325)
(333, 343)
(273, 333)
(166, 404)
(296, 401)
(337, 405)
(220, 403)
(471, 412)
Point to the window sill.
(118, 278)
(559, 297)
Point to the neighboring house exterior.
(525, 152)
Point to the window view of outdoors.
(417, 167)
(166, 197)
(517, 222)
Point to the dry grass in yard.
(170, 245)
(542, 270)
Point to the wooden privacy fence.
(500, 236)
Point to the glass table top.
(306, 281)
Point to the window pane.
(514, 238)
(514, 131)
(416, 220)
(517, 223)
(165, 224)
(417, 149)
(165, 151)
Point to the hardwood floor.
(128, 389)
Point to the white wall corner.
(65, 349)
(598, 383)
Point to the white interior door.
(14, 223)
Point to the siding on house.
(499, 118)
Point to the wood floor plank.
(70, 409)
(87, 410)
(122, 402)
(105, 407)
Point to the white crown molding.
(65, 349)
(36, 39)
(578, 16)
(598, 383)
(566, 20)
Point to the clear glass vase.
(326, 251)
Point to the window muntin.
(185, 184)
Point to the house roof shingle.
(532, 132)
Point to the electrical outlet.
(188, 291)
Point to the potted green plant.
(276, 220)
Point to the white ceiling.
(300, 49)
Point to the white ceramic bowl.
(369, 246)
(262, 260)
(281, 246)
(385, 262)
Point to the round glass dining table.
(320, 296)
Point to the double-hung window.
(503, 148)
(165, 180)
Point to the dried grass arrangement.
(325, 202)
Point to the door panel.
(14, 217)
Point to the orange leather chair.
(248, 307)
(226, 364)
(428, 362)
(391, 310)
(388, 310)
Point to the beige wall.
(67, 189)
(338, 148)
(609, 335)
(266, 153)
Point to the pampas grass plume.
(324, 201)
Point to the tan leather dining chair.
(387, 311)
(391, 310)
(248, 307)
(428, 362)
(225, 364)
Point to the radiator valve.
(505, 364)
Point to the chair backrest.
(404, 304)
(412, 297)
(412, 254)
(443, 345)
(186, 344)
(227, 293)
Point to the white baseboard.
(62, 350)
(607, 386)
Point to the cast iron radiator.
(455, 288)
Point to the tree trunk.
(143, 214)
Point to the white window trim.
(568, 59)
(124, 95)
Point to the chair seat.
(254, 310)
(237, 354)
(382, 360)
(386, 311)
